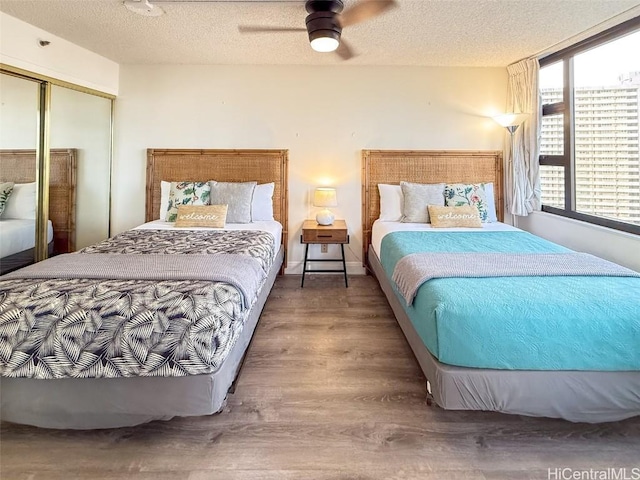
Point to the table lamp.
(325, 197)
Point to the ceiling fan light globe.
(325, 44)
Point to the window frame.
(566, 108)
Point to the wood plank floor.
(330, 391)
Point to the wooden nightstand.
(312, 233)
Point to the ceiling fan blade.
(364, 10)
(344, 50)
(260, 29)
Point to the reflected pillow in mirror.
(22, 202)
(5, 192)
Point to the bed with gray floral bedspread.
(109, 328)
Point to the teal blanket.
(520, 323)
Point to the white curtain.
(523, 172)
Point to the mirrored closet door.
(81, 122)
(19, 105)
(60, 134)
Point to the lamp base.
(325, 217)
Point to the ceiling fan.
(326, 21)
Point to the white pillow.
(391, 201)
(22, 202)
(491, 202)
(262, 203)
(5, 192)
(165, 189)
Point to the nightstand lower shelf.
(315, 234)
(305, 270)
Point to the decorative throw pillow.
(238, 197)
(262, 203)
(458, 194)
(201, 216)
(186, 193)
(464, 216)
(22, 202)
(5, 192)
(391, 201)
(416, 198)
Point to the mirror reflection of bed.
(18, 220)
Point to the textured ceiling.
(418, 32)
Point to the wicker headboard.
(393, 166)
(19, 166)
(262, 166)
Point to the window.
(590, 129)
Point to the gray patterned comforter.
(61, 328)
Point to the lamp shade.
(325, 197)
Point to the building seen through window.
(604, 132)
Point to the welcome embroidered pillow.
(212, 216)
(464, 216)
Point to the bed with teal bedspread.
(519, 323)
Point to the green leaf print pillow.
(186, 193)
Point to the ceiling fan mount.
(335, 6)
(326, 20)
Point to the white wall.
(619, 247)
(325, 116)
(61, 59)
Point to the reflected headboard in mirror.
(19, 166)
(262, 166)
(424, 166)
